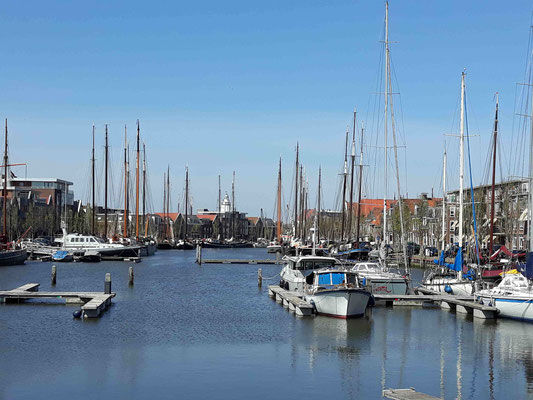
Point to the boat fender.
(77, 314)
(371, 301)
(364, 281)
(448, 289)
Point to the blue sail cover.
(458, 264)
(441, 261)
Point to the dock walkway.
(292, 300)
(94, 303)
(237, 261)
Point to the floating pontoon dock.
(460, 304)
(236, 261)
(94, 303)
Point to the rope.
(273, 277)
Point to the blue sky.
(225, 86)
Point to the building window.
(452, 212)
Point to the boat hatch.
(514, 282)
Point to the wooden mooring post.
(130, 276)
(107, 283)
(54, 273)
(259, 277)
(199, 254)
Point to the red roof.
(172, 216)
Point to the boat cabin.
(332, 279)
(368, 267)
(514, 282)
(309, 263)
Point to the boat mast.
(530, 181)
(105, 179)
(350, 214)
(93, 194)
(220, 233)
(279, 204)
(296, 194)
(125, 227)
(344, 173)
(5, 186)
(137, 183)
(495, 145)
(360, 186)
(233, 206)
(165, 203)
(186, 201)
(144, 192)
(385, 125)
(444, 200)
(318, 202)
(461, 168)
(168, 202)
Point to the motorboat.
(62, 256)
(513, 296)
(184, 245)
(297, 268)
(91, 256)
(78, 244)
(336, 293)
(449, 282)
(380, 280)
(274, 247)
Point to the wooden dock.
(292, 300)
(459, 304)
(93, 303)
(237, 261)
(407, 394)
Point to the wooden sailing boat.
(184, 243)
(8, 255)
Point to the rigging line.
(471, 183)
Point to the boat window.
(324, 279)
(324, 264)
(337, 278)
(92, 240)
(351, 279)
(82, 239)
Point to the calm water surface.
(185, 331)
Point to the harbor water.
(196, 332)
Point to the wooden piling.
(130, 276)
(199, 254)
(259, 277)
(54, 273)
(107, 283)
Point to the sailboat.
(8, 255)
(184, 243)
(449, 279)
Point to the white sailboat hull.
(340, 303)
(458, 287)
(515, 307)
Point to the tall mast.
(461, 165)
(443, 245)
(220, 233)
(357, 234)
(125, 228)
(495, 145)
(302, 205)
(137, 183)
(105, 179)
(93, 193)
(233, 205)
(296, 194)
(186, 200)
(165, 202)
(350, 214)
(168, 202)
(278, 228)
(344, 176)
(387, 63)
(530, 181)
(319, 205)
(144, 192)
(5, 186)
